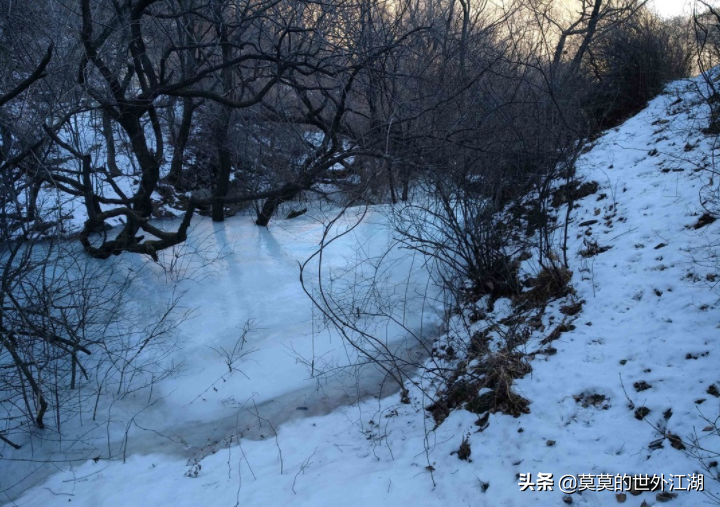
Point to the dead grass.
(561, 328)
(498, 369)
(592, 249)
(464, 451)
(548, 285)
(572, 308)
(573, 191)
(704, 220)
(497, 373)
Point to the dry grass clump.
(572, 308)
(549, 284)
(561, 328)
(573, 191)
(497, 372)
(592, 249)
(464, 451)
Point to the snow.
(649, 315)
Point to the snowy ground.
(646, 336)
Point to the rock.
(620, 497)
(567, 499)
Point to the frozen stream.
(229, 274)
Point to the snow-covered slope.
(621, 392)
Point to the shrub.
(631, 64)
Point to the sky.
(670, 8)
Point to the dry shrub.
(498, 280)
(632, 62)
(497, 372)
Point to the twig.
(305, 464)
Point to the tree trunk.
(391, 182)
(109, 144)
(148, 162)
(405, 184)
(91, 204)
(222, 181)
(179, 143)
(287, 193)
